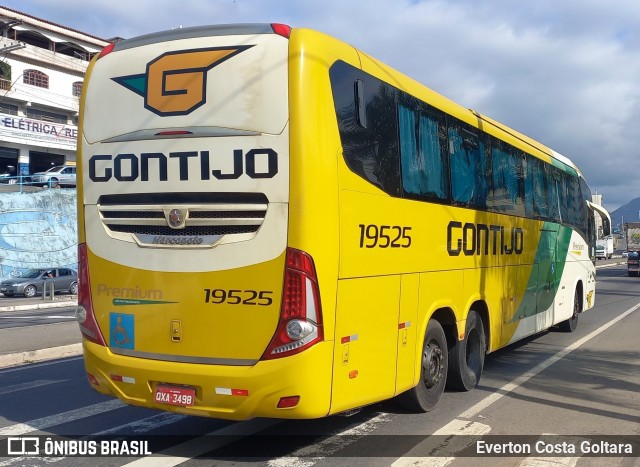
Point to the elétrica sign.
(23, 130)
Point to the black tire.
(466, 357)
(54, 183)
(433, 374)
(8, 294)
(30, 291)
(73, 289)
(571, 324)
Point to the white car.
(60, 175)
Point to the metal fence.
(24, 183)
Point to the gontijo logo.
(175, 82)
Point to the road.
(24, 318)
(579, 385)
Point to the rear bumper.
(227, 392)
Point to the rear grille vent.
(186, 232)
(183, 224)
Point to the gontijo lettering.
(255, 163)
(481, 239)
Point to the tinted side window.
(370, 152)
(535, 188)
(553, 180)
(507, 174)
(408, 148)
(423, 150)
(468, 165)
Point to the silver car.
(56, 176)
(33, 282)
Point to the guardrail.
(17, 183)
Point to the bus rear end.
(190, 300)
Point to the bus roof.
(195, 32)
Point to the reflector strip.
(123, 379)
(232, 392)
(174, 133)
(406, 324)
(347, 339)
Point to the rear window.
(244, 90)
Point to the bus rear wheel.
(466, 357)
(433, 374)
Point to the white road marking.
(550, 461)
(29, 385)
(37, 365)
(309, 455)
(456, 436)
(58, 419)
(144, 425)
(202, 444)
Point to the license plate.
(175, 395)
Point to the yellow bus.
(273, 223)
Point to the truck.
(604, 248)
(632, 235)
(633, 263)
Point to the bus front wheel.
(466, 357)
(571, 324)
(433, 374)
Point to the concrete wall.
(38, 230)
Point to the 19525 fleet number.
(239, 297)
(384, 236)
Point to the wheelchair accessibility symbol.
(121, 331)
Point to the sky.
(564, 72)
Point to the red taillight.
(281, 29)
(107, 50)
(300, 324)
(84, 313)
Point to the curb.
(33, 356)
(38, 306)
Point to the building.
(597, 199)
(42, 66)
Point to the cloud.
(565, 73)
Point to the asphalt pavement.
(29, 344)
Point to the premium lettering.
(129, 292)
(480, 239)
